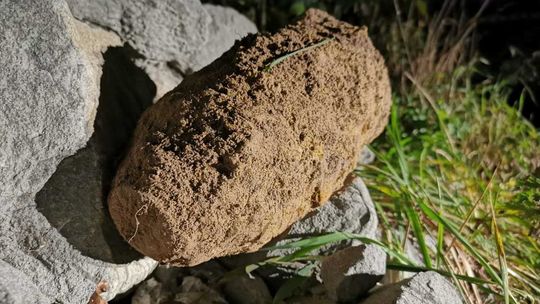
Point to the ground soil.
(236, 154)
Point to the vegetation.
(458, 182)
(280, 59)
(458, 168)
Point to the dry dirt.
(234, 155)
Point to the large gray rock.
(350, 210)
(226, 26)
(50, 60)
(51, 76)
(163, 30)
(166, 34)
(126, 91)
(11, 277)
(423, 288)
(173, 37)
(352, 272)
(51, 70)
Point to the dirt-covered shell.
(238, 152)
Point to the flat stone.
(423, 288)
(351, 272)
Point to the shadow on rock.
(74, 199)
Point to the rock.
(366, 157)
(165, 34)
(352, 272)
(168, 284)
(53, 78)
(65, 72)
(51, 71)
(158, 30)
(104, 13)
(163, 74)
(423, 288)
(412, 249)
(194, 291)
(243, 289)
(213, 162)
(15, 287)
(226, 27)
(126, 91)
(412, 252)
(58, 120)
(349, 210)
(310, 300)
(151, 291)
(173, 37)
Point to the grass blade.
(472, 250)
(500, 254)
(279, 60)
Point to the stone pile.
(61, 63)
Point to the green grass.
(457, 167)
(451, 171)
